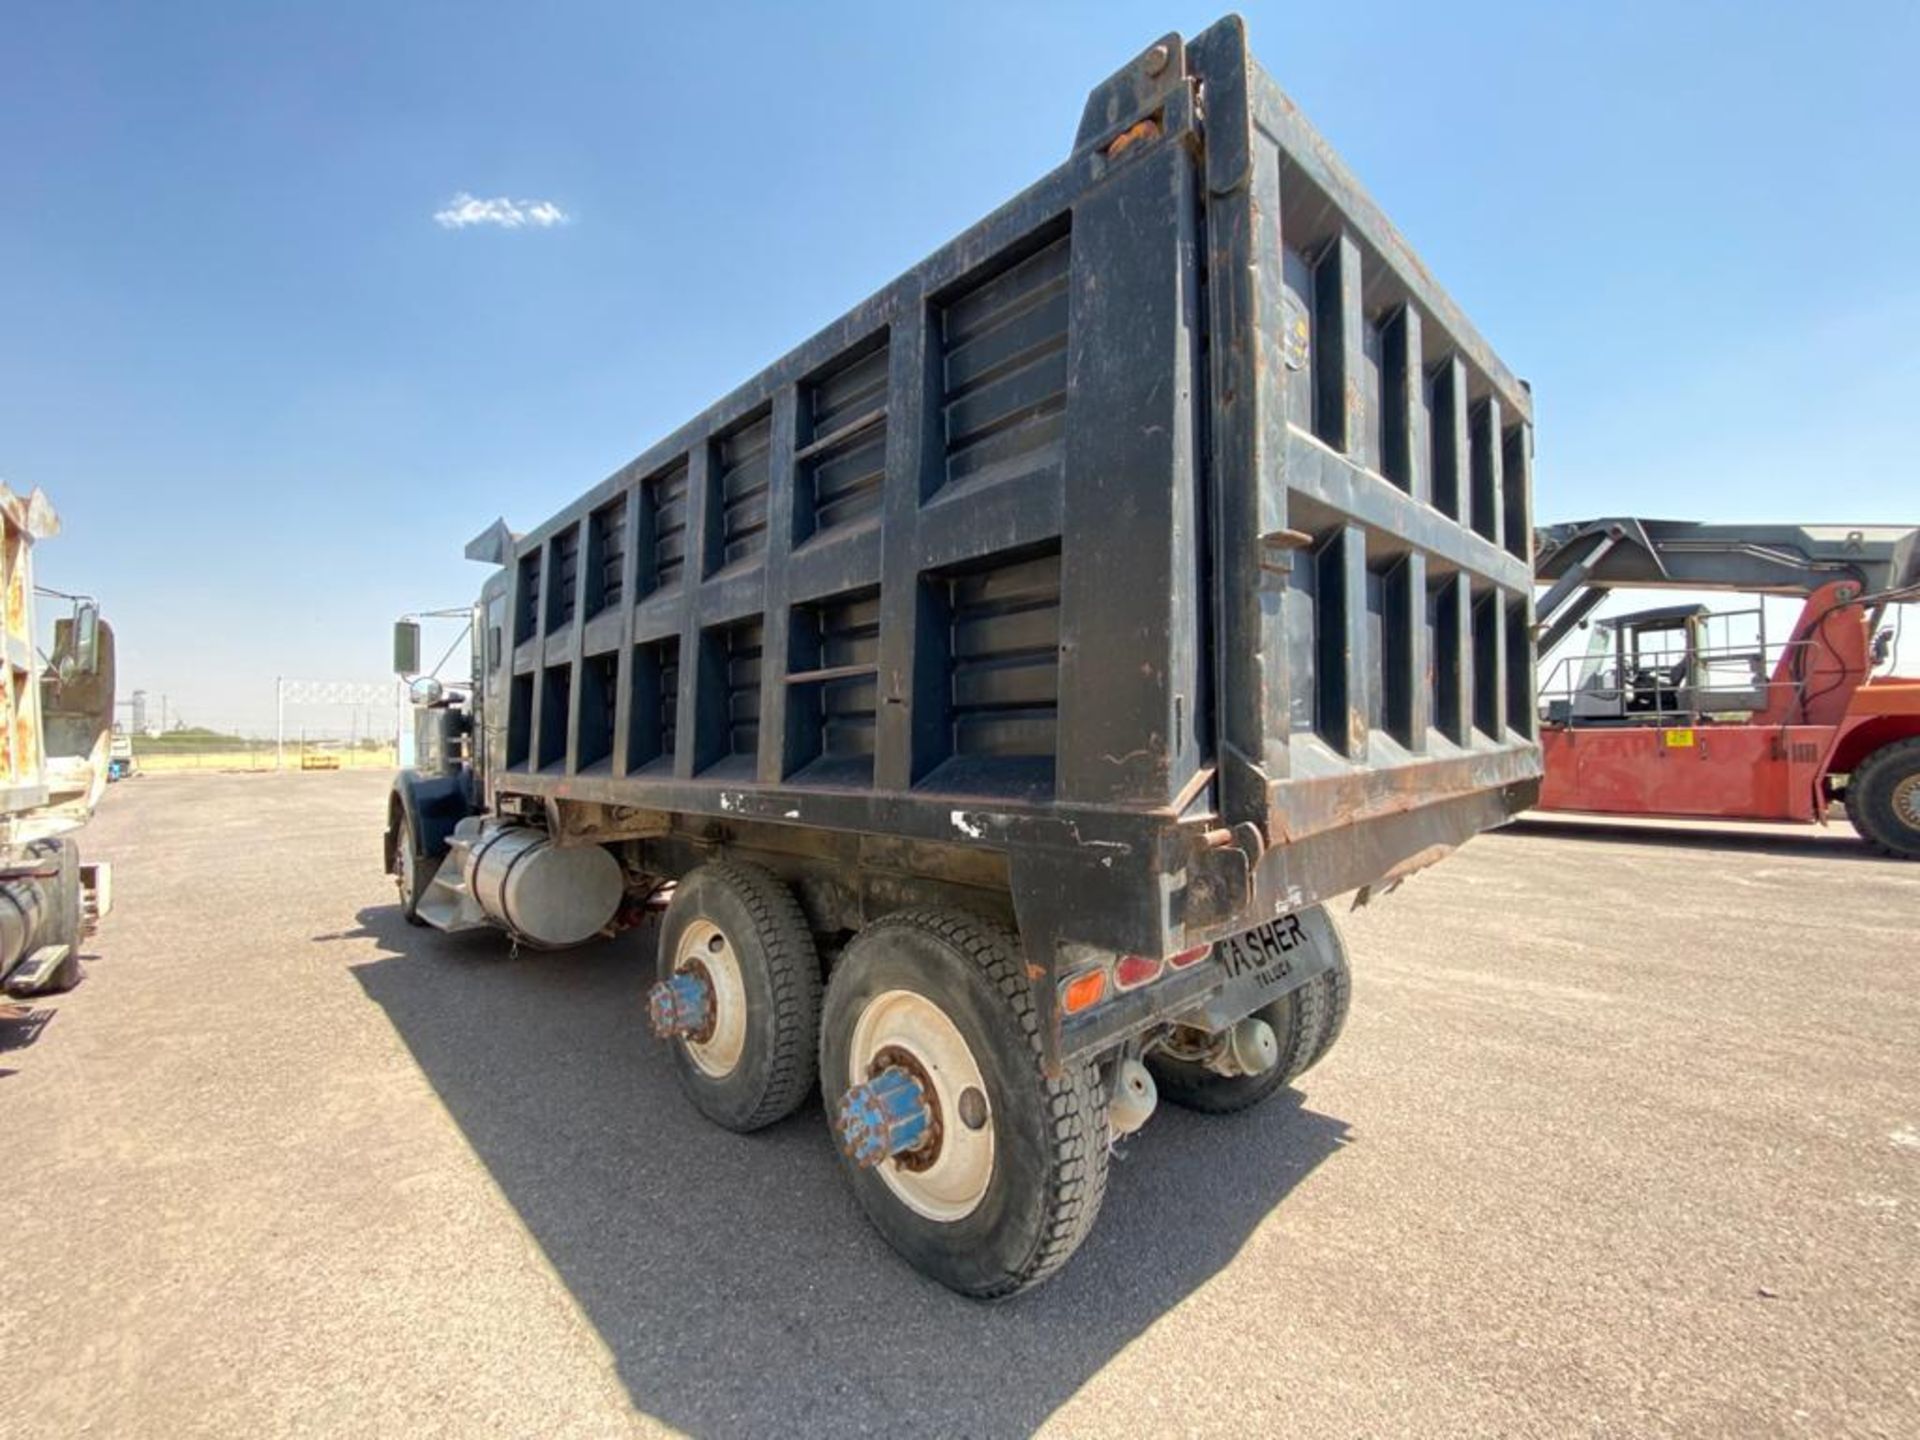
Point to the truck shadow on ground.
(20, 1026)
(733, 1278)
(1837, 842)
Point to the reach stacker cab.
(1688, 711)
(995, 688)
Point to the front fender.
(432, 805)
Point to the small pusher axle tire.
(1883, 799)
(741, 935)
(1306, 1022)
(980, 1170)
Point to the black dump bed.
(1165, 538)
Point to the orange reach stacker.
(1686, 711)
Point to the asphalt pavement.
(1623, 1139)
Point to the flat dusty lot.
(1624, 1138)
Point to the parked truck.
(997, 687)
(55, 722)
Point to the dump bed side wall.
(1167, 531)
(946, 553)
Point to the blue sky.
(272, 397)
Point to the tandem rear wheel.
(739, 994)
(983, 1171)
(980, 1169)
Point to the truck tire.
(745, 932)
(1306, 1022)
(1017, 1166)
(1883, 799)
(406, 865)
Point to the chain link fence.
(319, 725)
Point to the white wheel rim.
(704, 948)
(953, 1185)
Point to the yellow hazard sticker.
(1678, 739)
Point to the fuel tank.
(540, 892)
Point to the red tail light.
(1190, 957)
(1132, 971)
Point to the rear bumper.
(1371, 853)
(1390, 824)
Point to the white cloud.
(464, 210)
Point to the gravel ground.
(1623, 1139)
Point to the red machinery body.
(1773, 766)
(1637, 736)
(1724, 772)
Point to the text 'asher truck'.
(1003, 679)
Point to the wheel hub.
(917, 1109)
(888, 1117)
(1906, 800)
(703, 1002)
(681, 1008)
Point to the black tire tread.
(1339, 999)
(1076, 1101)
(1900, 756)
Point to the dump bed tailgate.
(1372, 517)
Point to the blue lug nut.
(885, 1116)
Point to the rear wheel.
(739, 933)
(1305, 1024)
(1883, 799)
(929, 1033)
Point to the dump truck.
(55, 725)
(995, 689)
(1688, 712)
